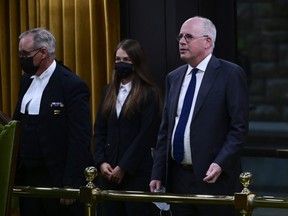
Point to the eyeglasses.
(188, 37)
(25, 53)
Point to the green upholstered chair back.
(9, 144)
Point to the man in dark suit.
(217, 124)
(53, 108)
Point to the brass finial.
(90, 173)
(246, 179)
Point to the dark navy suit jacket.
(127, 141)
(64, 126)
(218, 129)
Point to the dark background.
(251, 33)
(156, 23)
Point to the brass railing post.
(242, 200)
(87, 193)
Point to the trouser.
(184, 182)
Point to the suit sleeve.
(78, 123)
(160, 152)
(238, 111)
(100, 134)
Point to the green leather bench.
(9, 144)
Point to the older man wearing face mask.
(53, 108)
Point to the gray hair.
(41, 38)
(208, 28)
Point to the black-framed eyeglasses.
(25, 53)
(188, 37)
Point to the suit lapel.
(175, 89)
(207, 82)
(26, 84)
(51, 91)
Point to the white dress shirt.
(122, 95)
(187, 159)
(32, 98)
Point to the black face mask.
(27, 65)
(123, 69)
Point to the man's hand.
(155, 185)
(213, 173)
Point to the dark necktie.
(178, 142)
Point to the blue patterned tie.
(178, 142)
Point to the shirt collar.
(47, 73)
(126, 86)
(202, 65)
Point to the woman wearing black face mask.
(126, 129)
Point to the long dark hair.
(141, 82)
